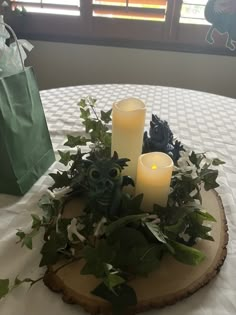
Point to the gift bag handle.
(16, 40)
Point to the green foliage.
(187, 255)
(120, 298)
(97, 258)
(217, 162)
(75, 141)
(65, 157)
(61, 179)
(96, 127)
(209, 176)
(156, 232)
(50, 250)
(120, 240)
(26, 238)
(124, 221)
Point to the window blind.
(150, 10)
(157, 24)
(63, 7)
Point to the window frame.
(86, 29)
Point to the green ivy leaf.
(132, 205)
(196, 158)
(4, 287)
(145, 259)
(187, 255)
(36, 224)
(65, 157)
(60, 179)
(49, 251)
(156, 231)
(82, 103)
(217, 162)
(124, 221)
(120, 299)
(106, 116)
(75, 141)
(205, 216)
(18, 282)
(27, 241)
(128, 238)
(97, 259)
(113, 280)
(49, 206)
(21, 235)
(209, 178)
(84, 113)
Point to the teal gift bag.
(25, 146)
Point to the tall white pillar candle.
(128, 118)
(153, 179)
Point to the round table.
(202, 121)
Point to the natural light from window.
(192, 12)
(62, 7)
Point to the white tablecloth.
(206, 122)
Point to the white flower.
(57, 221)
(153, 217)
(186, 165)
(5, 4)
(58, 193)
(99, 229)
(72, 230)
(184, 236)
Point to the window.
(63, 7)
(155, 24)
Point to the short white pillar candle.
(128, 118)
(154, 173)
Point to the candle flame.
(154, 167)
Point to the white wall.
(59, 64)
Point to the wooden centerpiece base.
(171, 282)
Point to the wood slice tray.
(171, 282)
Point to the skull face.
(103, 179)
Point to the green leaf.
(124, 221)
(187, 255)
(27, 242)
(196, 158)
(21, 235)
(82, 103)
(128, 237)
(36, 224)
(4, 287)
(65, 157)
(49, 251)
(18, 282)
(106, 116)
(156, 231)
(75, 141)
(97, 259)
(123, 297)
(145, 259)
(84, 113)
(205, 216)
(132, 205)
(60, 179)
(49, 206)
(217, 162)
(25, 239)
(113, 280)
(209, 178)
